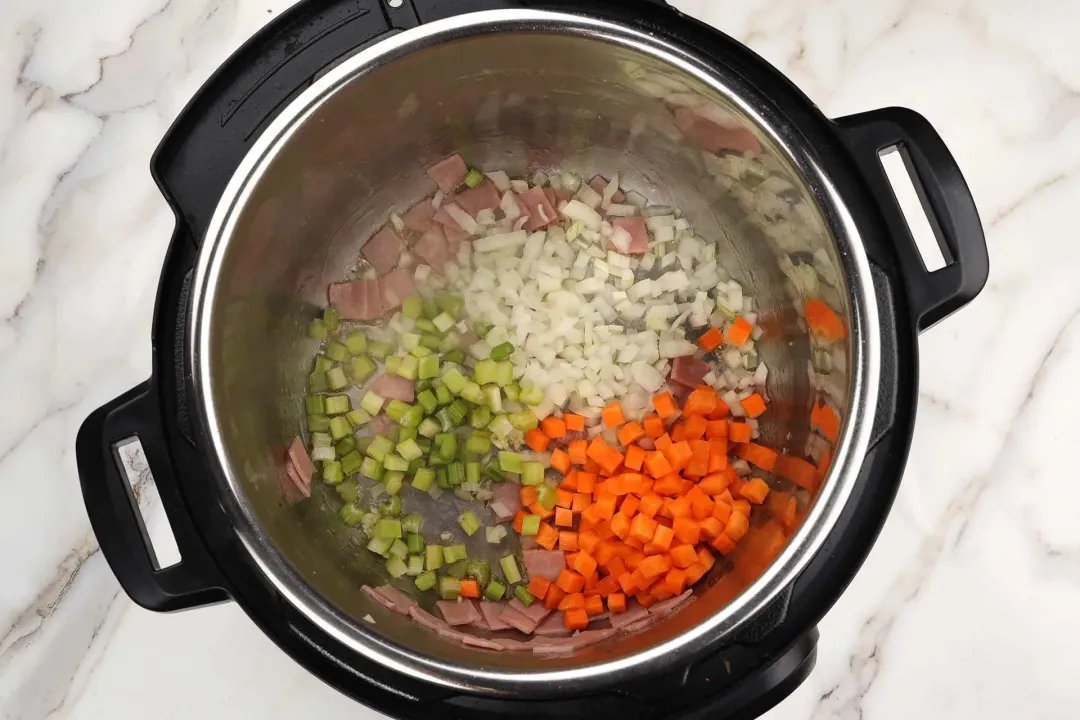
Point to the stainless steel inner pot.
(514, 90)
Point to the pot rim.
(841, 478)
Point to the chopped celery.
(346, 446)
(356, 343)
(493, 398)
(481, 328)
(530, 525)
(358, 417)
(316, 330)
(414, 540)
(412, 417)
(428, 367)
(340, 427)
(412, 307)
(479, 417)
(412, 523)
(450, 343)
(388, 528)
(494, 535)
(392, 364)
(409, 450)
(380, 545)
(455, 471)
(523, 595)
(457, 569)
(331, 319)
(486, 371)
(429, 428)
(399, 549)
(348, 492)
(409, 367)
(352, 463)
(505, 373)
(455, 356)
(417, 464)
(337, 404)
(316, 382)
(473, 178)
(510, 569)
(500, 426)
(395, 409)
(433, 557)
(427, 400)
(512, 392)
(416, 565)
(391, 508)
(472, 473)
(458, 410)
(531, 395)
(379, 350)
(546, 496)
(350, 514)
(393, 480)
(331, 472)
(494, 591)
(420, 352)
(444, 478)
(318, 423)
(443, 395)
(323, 454)
(315, 405)
(468, 523)
(396, 567)
(370, 468)
(480, 572)
(427, 327)
(451, 304)
(454, 380)
(361, 368)
(524, 420)
(443, 322)
(431, 308)
(478, 444)
(321, 439)
(511, 462)
(322, 364)
(449, 588)
(395, 462)
(447, 445)
(431, 342)
(532, 474)
(336, 351)
(453, 553)
(501, 352)
(425, 581)
(363, 443)
(409, 340)
(379, 448)
(372, 403)
(336, 380)
(423, 478)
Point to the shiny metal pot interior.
(512, 90)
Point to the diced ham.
(666, 607)
(518, 620)
(418, 217)
(484, 196)
(301, 461)
(535, 612)
(380, 424)
(426, 620)
(549, 193)
(634, 612)
(448, 173)
(396, 286)
(600, 183)
(432, 247)
(454, 237)
(639, 235)
(483, 643)
(292, 485)
(383, 250)
(545, 563)
(492, 611)
(480, 624)
(708, 135)
(510, 644)
(534, 200)
(458, 613)
(443, 218)
(359, 300)
(505, 500)
(552, 625)
(398, 602)
(559, 646)
(394, 387)
(642, 623)
(689, 371)
(528, 542)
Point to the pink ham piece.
(426, 620)
(642, 623)
(634, 612)
(600, 183)
(448, 173)
(549, 193)
(458, 613)
(689, 371)
(535, 612)
(378, 597)
(528, 542)
(380, 424)
(454, 237)
(480, 642)
(552, 626)
(418, 217)
(545, 563)
(396, 286)
(394, 387)
(443, 218)
(492, 611)
(301, 462)
(432, 248)
(484, 196)
(666, 607)
(559, 646)
(359, 300)
(534, 201)
(505, 501)
(639, 235)
(708, 135)
(392, 599)
(517, 620)
(292, 485)
(383, 250)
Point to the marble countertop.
(966, 607)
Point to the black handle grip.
(116, 520)
(945, 197)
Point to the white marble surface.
(965, 609)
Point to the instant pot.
(299, 146)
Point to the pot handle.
(945, 197)
(115, 517)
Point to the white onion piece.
(622, 240)
(501, 242)
(500, 180)
(578, 211)
(610, 190)
(463, 219)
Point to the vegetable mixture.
(572, 363)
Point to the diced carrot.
(591, 465)
(715, 483)
(606, 456)
(617, 566)
(739, 332)
(679, 507)
(564, 517)
(572, 600)
(620, 525)
(647, 599)
(721, 410)
(576, 449)
(626, 583)
(687, 530)
(722, 511)
(754, 405)
(739, 432)
(616, 603)
(642, 528)
(538, 509)
(574, 422)
(656, 464)
(705, 557)
(718, 459)
(554, 597)
(630, 432)
(570, 581)
(662, 537)
(612, 415)
(683, 556)
(569, 481)
(695, 572)
(759, 455)
(796, 470)
(537, 440)
(716, 429)
(671, 485)
(629, 506)
(677, 432)
(635, 457)
(654, 426)
(519, 518)
(538, 586)
(468, 589)
(755, 491)
(723, 543)
(695, 426)
(553, 427)
(605, 552)
(585, 564)
(825, 419)
(560, 461)
(654, 565)
(635, 556)
(581, 501)
(675, 581)
(701, 508)
(710, 527)
(650, 504)
(547, 537)
(576, 619)
(680, 454)
(822, 321)
(568, 541)
(741, 507)
(528, 494)
(563, 498)
(608, 585)
(664, 404)
(699, 459)
(586, 482)
(594, 605)
(783, 508)
(588, 540)
(605, 506)
(710, 340)
(737, 526)
(603, 530)
(700, 401)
